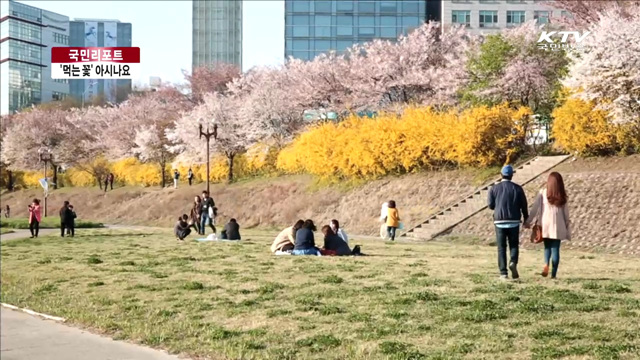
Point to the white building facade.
(488, 16)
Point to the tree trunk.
(55, 176)
(230, 161)
(163, 172)
(9, 180)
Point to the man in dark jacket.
(66, 218)
(231, 230)
(509, 204)
(205, 218)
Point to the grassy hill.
(604, 202)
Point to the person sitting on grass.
(305, 243)
(333, 244)
(182, 228)
(231, 231)
(285, 241)
(335, 227)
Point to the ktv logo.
(548, 43)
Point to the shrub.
(419, 138)
(579, 127)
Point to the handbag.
(210, 212)
(536, 229)
(536, 233)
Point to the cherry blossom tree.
(425, 67)
(34, 128)
(209, 79)
(510, 67)
(234, 134)
(141, 124)
(587, 12)
(270, 99)
(607, 67)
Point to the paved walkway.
(24, 233)
(26, 337)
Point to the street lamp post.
(46, 157)
(208, 134)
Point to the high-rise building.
(100, 33)
(316, 27)
(217, 32)
(27, 35)
(486, 16)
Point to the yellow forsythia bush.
(76, 177)
(579, 127)
(419, 138)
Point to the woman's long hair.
(327, 231)
(556, 193)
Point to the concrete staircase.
(472, 204)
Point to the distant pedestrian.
(551, 212)
(66, 218)
(190, 176)
(34, 218)
(509, 204)
(106, 183)
(176, 177)
(7, 212)
(71, 228)
(111, 177)
(393, 219)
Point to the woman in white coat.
(550, 211)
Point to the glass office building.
(316, 27)
(27, 34)
(216, 32)
(100, 33)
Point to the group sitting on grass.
(204, 212)
(300, 240)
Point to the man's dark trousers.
(510, 237)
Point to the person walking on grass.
(393, 220)
(66, 218)
(34, 218)
(106, 183)
(195, 214)
(551, 212)
(509, 204)
(7, 212)
(207, 213)
(111, 177)
(176, 177)
(190, 176)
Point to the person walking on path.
(195, 214)
(509, 204)
(551, 212)
(176, 177)
(190, 176)
(393, 220)
(111, 177)
(66, 217)
(207, 213)
(34, 218)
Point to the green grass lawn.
(404, 301)
(47, 223)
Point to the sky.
(162, 30)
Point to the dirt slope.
(604, 204)
(265, 202)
